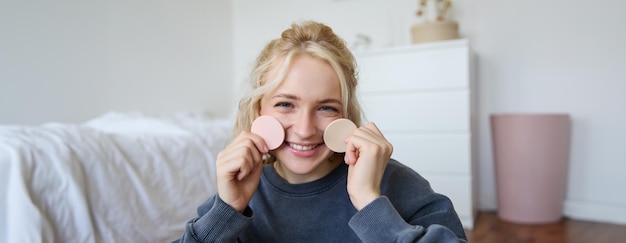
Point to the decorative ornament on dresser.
(433, 24)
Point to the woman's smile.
(301, 150)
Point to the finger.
(239, 159)
(243, 171)
(244, 140)
(351, 155)
(372, 126)
(367, 139)
(250, 163)
(369, 132)
(257, 140)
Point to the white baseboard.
(574, 209)
(594, 211)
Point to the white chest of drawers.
(420, 97)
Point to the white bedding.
(122, 177)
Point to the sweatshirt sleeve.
(216, 222)
(380, 222)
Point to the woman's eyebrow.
(295, 97)
(331, 100)
(287, 96)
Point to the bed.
(120, 177)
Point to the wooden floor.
(488, 228)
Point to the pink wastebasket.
(531, 153)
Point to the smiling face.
(305, 102)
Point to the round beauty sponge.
(336, 133)
(270, 130)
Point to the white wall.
(69, 61)
(257, 22)
(533, 56)
(562, 56)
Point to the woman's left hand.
(367, 154)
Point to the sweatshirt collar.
(304, 189)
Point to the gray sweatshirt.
(321, 211)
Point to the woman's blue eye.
(283, 104)
(329, 109)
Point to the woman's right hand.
(239, 168)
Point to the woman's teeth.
(301, 147)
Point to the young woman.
(302, 191)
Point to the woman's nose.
(304, 126)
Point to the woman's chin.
(305, 163)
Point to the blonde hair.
(309, 38)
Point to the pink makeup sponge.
(270, 130)
(336, 133)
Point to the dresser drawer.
(420, 98)
(436, 153)
(427, 69)
(433, 111)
